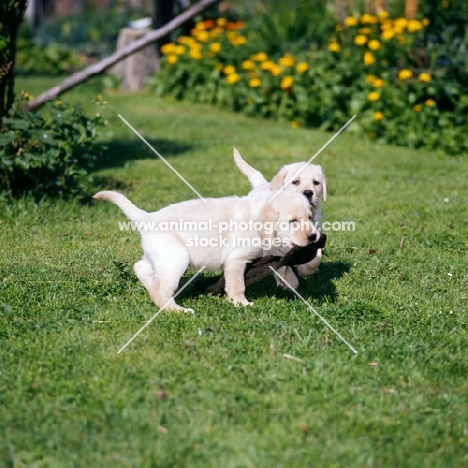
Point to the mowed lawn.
(216, 389)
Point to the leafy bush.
(48, 154)
(94, 31)
(46, 59)
(402, 90)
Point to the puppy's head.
(294, 225)
(308, 179)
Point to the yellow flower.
(387, 24)
(286, 61)
(59, 102)
(368, 58)
(200, 25)
(99, 97)
(373, 96)
(260, 57)
(373, 44)
(371, 78)
(233, 78)
(248, 65)
(215, 47)
(334, 47)
(378, 83)
(368, 19)
(417, 108)
(276, 70)
(364, 30)
(179, 50)
(378, 116)
(195, 53)
(239, 40)
(167, 48)
(229, 69)
(430, 103)
(388, 35)
(302, 67)
(295, 124)
(405, 75)
(426, 22)
(255, 82)
(382, 14)
(172, 59)
(401, 22)
(287, 82)
(184, 40)
(360, 39)
(414, 25)
(268, 65)
(221, 21)
(425, 77)
(203, 36)
(350, 21)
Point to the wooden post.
(411, 9)
(342, 10)
(136, 67)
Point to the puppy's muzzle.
(308, 194)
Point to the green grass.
(215, 390)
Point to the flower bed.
(381, 69)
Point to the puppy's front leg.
(310, 268)
(288, 274)
(235, 284)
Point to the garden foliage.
(406, 88)
(48, 153)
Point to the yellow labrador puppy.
(224, 232)
(308, 179)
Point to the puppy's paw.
(240, 302)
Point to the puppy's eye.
(316, 182)
(295, 182)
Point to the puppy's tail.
(132, 212)
(255, 177)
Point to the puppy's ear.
(324, 186)
(268, 217)
(278, 181)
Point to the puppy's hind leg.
(168, 274)
(144, 271)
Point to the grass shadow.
(119, 152)
(320, 286)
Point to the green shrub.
(48, 153)
(46, 59)
(403, 90)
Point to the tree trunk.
(99, 67)
(11, 14)
(163, 13)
